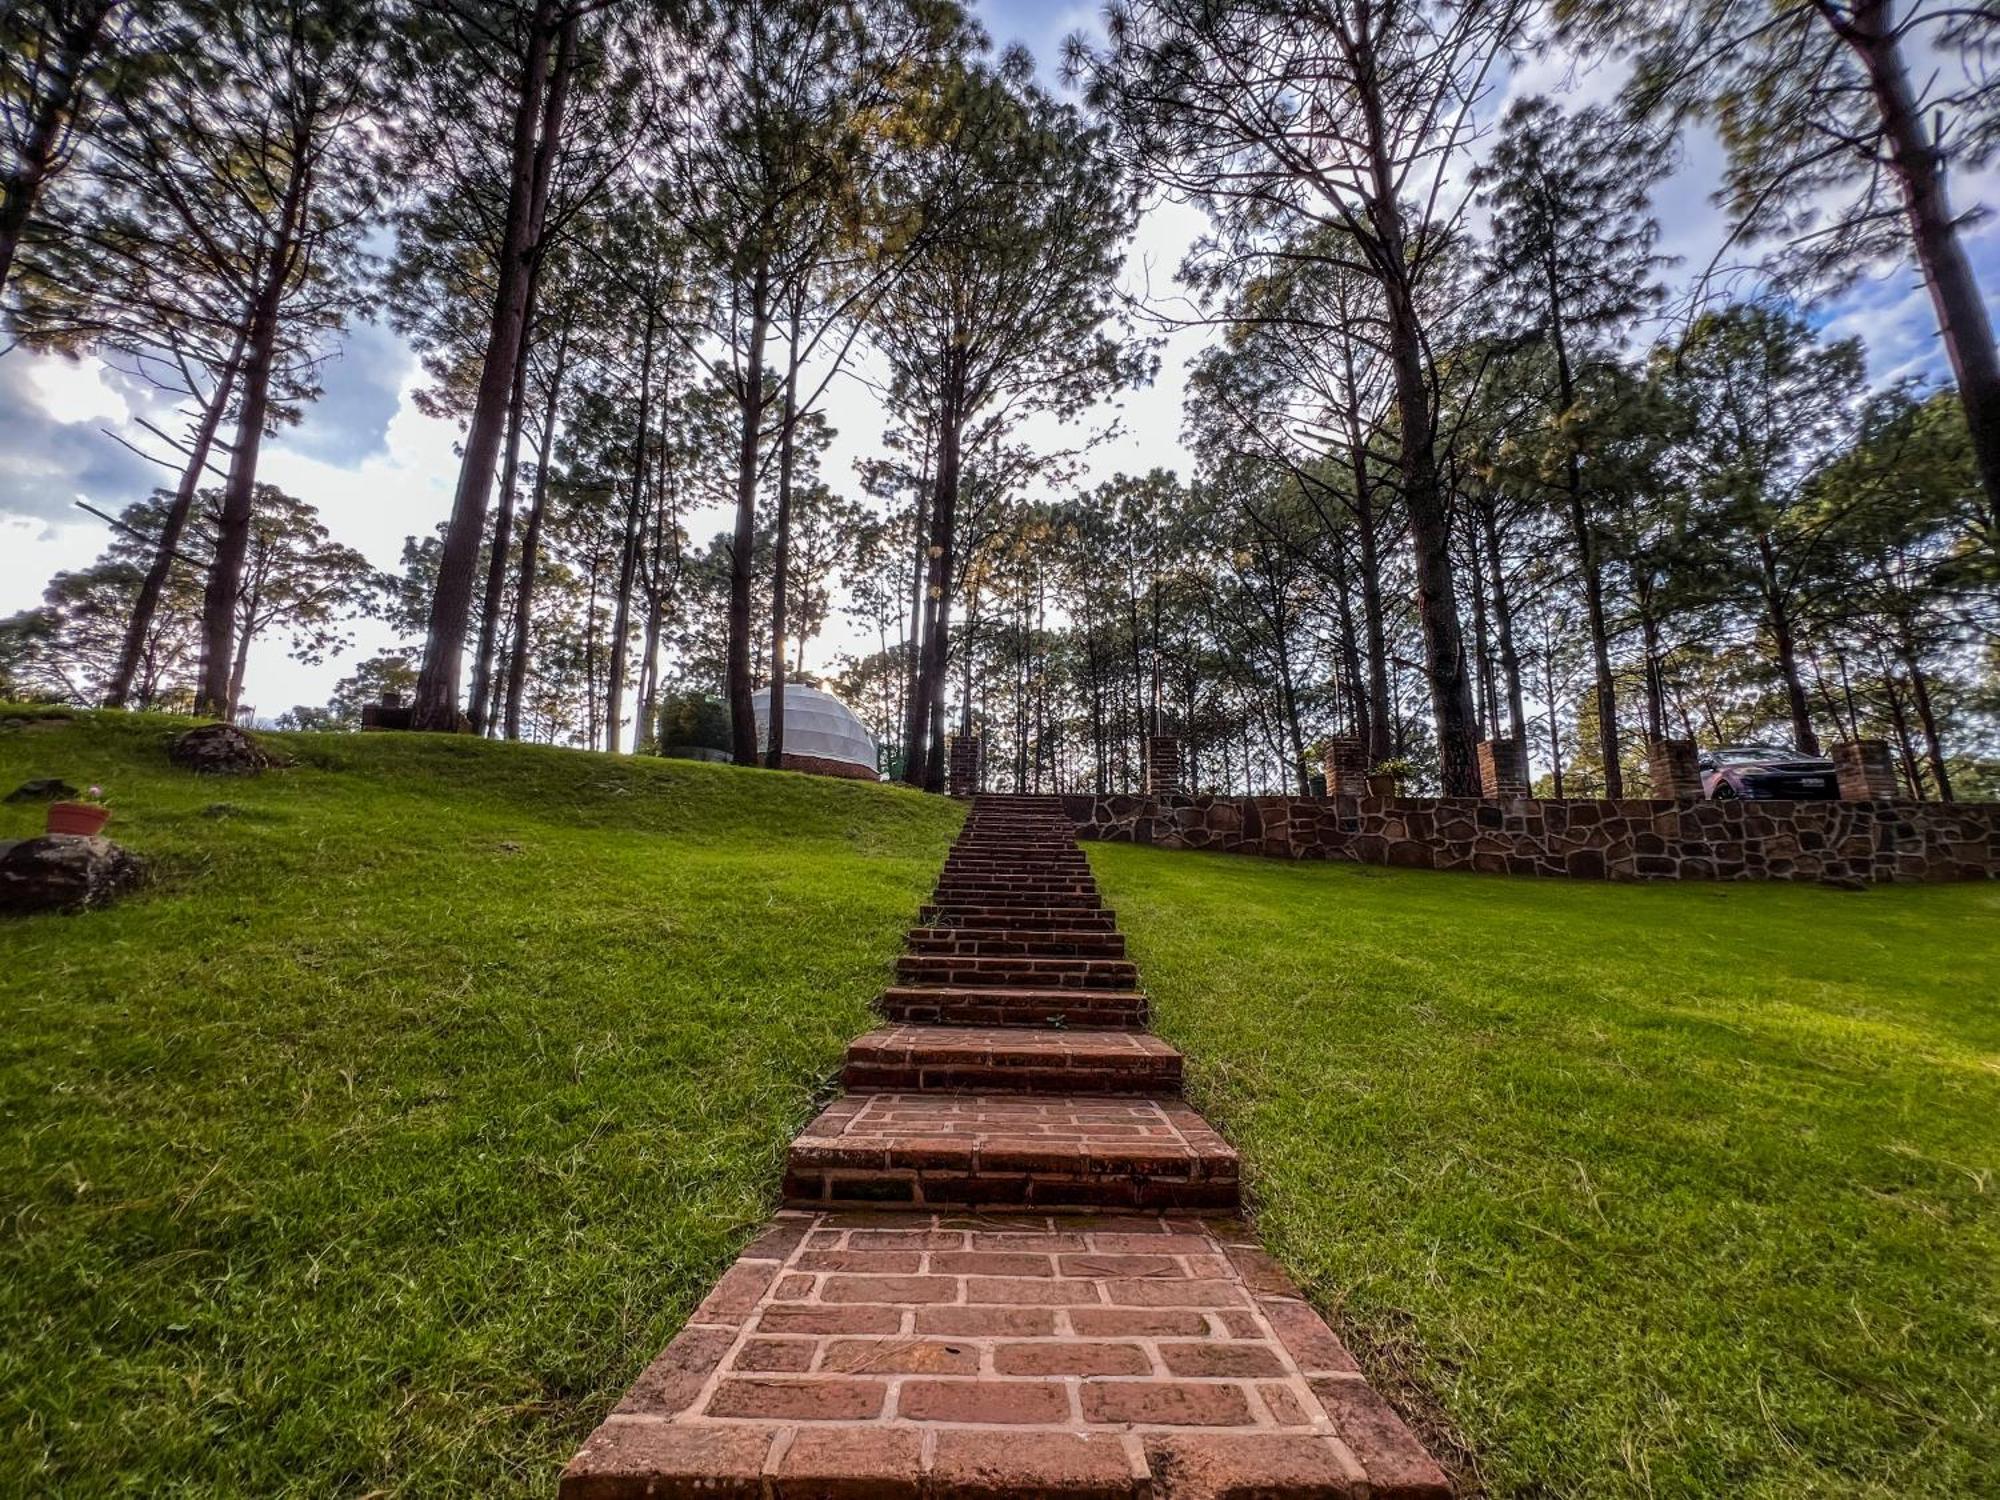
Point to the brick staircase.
(1009, 1262)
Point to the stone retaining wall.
(1840, 842)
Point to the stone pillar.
(1163, 766)
(1346, 768)
(1503, 770)
(1674, 770)
(967, 757)
(1865, 771)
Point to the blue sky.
(379, 471)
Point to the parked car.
(1729, 772)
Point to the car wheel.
(1723, 792)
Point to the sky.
(379, 471)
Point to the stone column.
(1163, 766)
(1674, 770)
(1503, 770)
(1865, 771)
(1346, 768)
(967, 756)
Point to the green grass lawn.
(376, 1145)
(1635, 1191)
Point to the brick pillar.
(1346, 768)
(1163, 766)
(1866, 772)
(1503, 770)
(967, 755)
(1674, 770)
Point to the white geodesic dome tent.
(818, 725)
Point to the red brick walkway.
(1009, 1263)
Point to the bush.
(693, 720)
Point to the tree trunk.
(1656, 690)
(1423, 498)
(913, 729)
(1600, 645)
(1920, 693)
(503, 534)
(541, 99)
(781, 554)
(1430, 539)
(241, 664)
(628, 555)
(531, 541)
(1900, 721)
(1589, 560)
(1555, 721)
(1489, 696)
(666, 539)
(1962, 319)
(165, 555)
(49, 118)
(1377, 721)
(232, 528)
(742, 713)
(1784, 646)
(1503, 626)
(1786, 650)
(925, 761)
(1359, 717)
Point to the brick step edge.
(1042, 971)
(1090, 1010)
(980, 914)
(1058, 1192)
(912, 1059)
(1001, 942)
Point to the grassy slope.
(375, 1148)
(1676, 1191)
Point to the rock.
(44, 789)
(219, 750)
(64, 872)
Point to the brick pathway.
(1009, 1262)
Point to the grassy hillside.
(375, 1146)
(1679, 1191)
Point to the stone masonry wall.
(1845, 843)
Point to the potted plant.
(1385, 778)
(86, 817)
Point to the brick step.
(955, 1005)
(1013, 918)
(1018, 880)
(1017, 895)
(997, 853)
(1001, 941)
(1015, 970)
(1011, 1060)
(1033, 843)
(1079, 1150)
(1005, 864)
(1136, 1357)
(1032, 898)
(1019, 864)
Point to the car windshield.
(1739, 755)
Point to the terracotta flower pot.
(86, 818)
(1381, 786)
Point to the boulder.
(63, 872)
(219, 750)
(44, 789)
